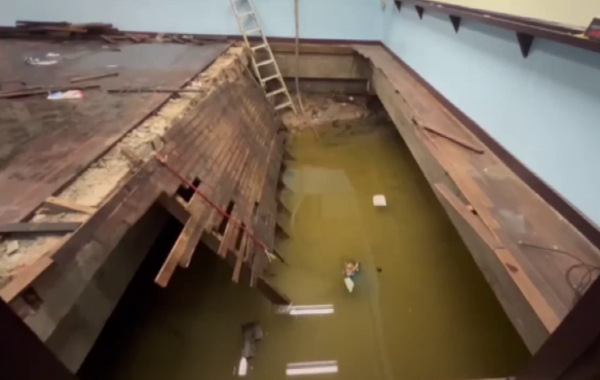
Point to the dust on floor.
(103, 176)
(324, 110)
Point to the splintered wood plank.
(39, 227)
(24, 278)
(67, 205)
(192, 232)
(219, 196)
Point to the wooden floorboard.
(48, 143)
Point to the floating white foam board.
(379, 200)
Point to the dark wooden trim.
(39, 227)
(569, 348)
(567, 35)
(567, 210)
(24, 355)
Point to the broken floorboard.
(530, 283)
(89, 270)
(233, 153)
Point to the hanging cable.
(297, 17)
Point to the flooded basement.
(420, 308)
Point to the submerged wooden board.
(509, 210)
(47, 143)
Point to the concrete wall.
(325, 19)
(544, 109)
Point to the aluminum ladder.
(280, 92)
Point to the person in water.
(351, 268)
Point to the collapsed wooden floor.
(221, 136)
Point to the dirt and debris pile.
(324, 112)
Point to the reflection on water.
(420, 308)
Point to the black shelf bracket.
(455, 20)
(525, 42)
(420, 11)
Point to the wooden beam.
(93, 77)
(39, 227)
(176, 206)
(23, 278)
(454, 139)
(67, 205)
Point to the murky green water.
(428, 314)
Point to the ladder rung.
(273, 93)
(262, 46)
(253, 31)
(242, 15)
(287, 104)
(259, 64)
(265, 80)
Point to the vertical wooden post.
(24, 355)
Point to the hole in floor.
(225, 221)
(186, 192)
(431, 304)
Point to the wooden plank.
(93, 77)
(39, 227)
(23, 278)
(469, 217)
(176, 206)
(67, 205)
(454, 139)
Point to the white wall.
(325, 19)
(544, 109)
(572, 12)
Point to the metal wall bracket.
(455, 20)
(420, 11)
(525, 42)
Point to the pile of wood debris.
(96, 30)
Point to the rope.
(163, 160)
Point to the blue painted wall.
(544, 109)
(325, 19)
